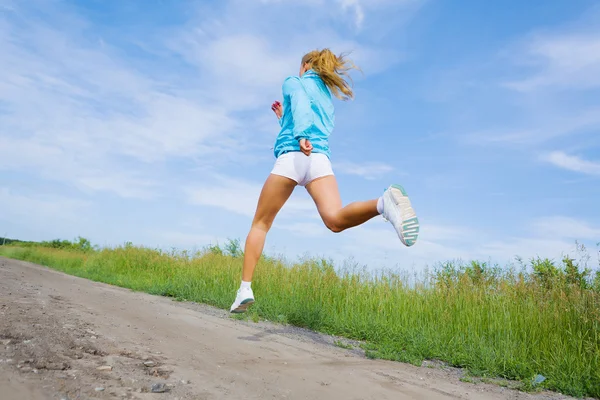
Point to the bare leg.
(326, 196)
(275, 192)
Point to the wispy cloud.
(572, 163)
(525, 248)
(149, 111)
(304, 229)
(241, 197)
(186, 240)
(568, 62)
(104, 123)
(552, 237)
(376, 243)
(544, 124)
(98, 122)
(356, 7)
(356, 11)
(565, 228)
(49, 208)
(545, 86)
(369, 170)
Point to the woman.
(302, 158)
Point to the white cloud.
(376, 243)
(446, 233)
(121, 184)
(355, 10)
(168, 239)
(525, 248)
(78, 109)
(248, 59)
(243, 67)
(551, 237)
(88, 170)
(46, 207)
(241, 197)
(370, 170)
(359, 9)
(359, 14)
(7, 5)
(306, 229)
(565, 228)
(568, 61)
(102, 124)
(572, 163)
(553, 77)
(250, 63)
(544, 123)
(78, 112)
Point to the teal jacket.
(308, 113)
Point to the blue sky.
(150, 122)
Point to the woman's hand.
(277, 109)
(305, 146)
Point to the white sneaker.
(398, 210)
(244, 298)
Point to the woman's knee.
(264, 223)
(332, 224)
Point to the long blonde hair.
(331, 69)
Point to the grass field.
(542, 318)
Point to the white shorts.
(302, 169)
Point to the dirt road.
(63, 337)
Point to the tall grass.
(541, 319)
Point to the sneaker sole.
(243, 306)
(409, 228)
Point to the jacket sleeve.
(302, 115)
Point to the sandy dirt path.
(63, 337)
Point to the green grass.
(496, 323)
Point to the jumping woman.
(302, 158)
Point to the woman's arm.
(278, 110)
(302, 114)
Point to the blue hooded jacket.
(308, 113)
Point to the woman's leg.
(275, 192)
(394, 206)
(326, 196)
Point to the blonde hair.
(331, 69)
